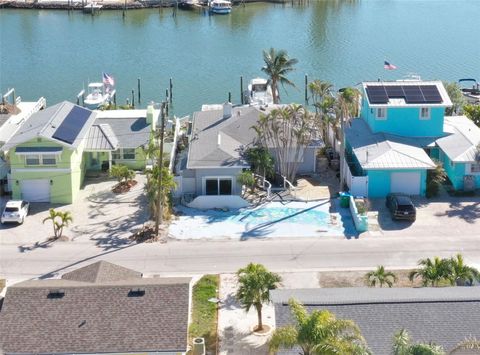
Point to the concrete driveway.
(99, 216)
(446, 216)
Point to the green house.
(52, 151)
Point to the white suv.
(15, 211)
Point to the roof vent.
(136, 292)
(56, 294)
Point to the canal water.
(54, 53)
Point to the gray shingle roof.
(461, 140)
(445, 316)
(130, 132)
(44, 124)
(101, 137)
(387, 151)
(96, 317)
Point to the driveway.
(446, 216)
(99, 216)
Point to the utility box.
(198, 346)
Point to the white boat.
(220, 6)
(98, 95)
(259, 92)
(471, 90)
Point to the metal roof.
(130, 132)
(387, 151)
(461, 139)
(444, 315)
(101, 137)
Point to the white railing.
(288, 186)
(173, 151)
(265, 184)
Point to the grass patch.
(204, 313)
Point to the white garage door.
(408, 183)
(36, 190)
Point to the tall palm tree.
(432, 272)
(381, 277)
(319, 332)
(277, 65)
(254, 290)
(319, 91)
(462, 274)
(402, 345)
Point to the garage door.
(36, 190)
(408, 183)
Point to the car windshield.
(11, 209)
(406, 208)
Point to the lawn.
(204, 313)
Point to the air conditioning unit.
(198, 346)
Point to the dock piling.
(229, 96)
(241, 90)
(306, 88)
(171, 90)
(138, 87)
(133, 98)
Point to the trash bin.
(344, 199)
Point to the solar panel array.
(412, 94)
(72, 125)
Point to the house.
(51, 152)
(100, 308)
(442, 315)
(219, 136)
(402, 130)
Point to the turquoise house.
(401, 130)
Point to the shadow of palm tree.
(469, 213)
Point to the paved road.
(193, 257)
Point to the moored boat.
(259, 92)
(220, 6)
(471, 90)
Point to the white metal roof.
(461, 140)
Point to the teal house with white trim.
(401, 133)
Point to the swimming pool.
(274, 219)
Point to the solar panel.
(413, 94)
(377, 94)
(431, 94)
(395, 92)
(72, 125)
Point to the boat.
(471, 90)
(220, 6)
(98, 94)
(259, 92)
(92, 8)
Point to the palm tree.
(319, 90)
(462, 274)
(432, 271)
(254, 290)
(277, 65)
(402, 345)
(59, 220)
(318, 333)
(152, 188)
(380, 276)
(468, 344)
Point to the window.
(475, 168)
(218, 186)
(425, 113)
(49, 159)
(32, 160)
(381, 113)
(116, 154)
(129, 153)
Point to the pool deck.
(212, 224)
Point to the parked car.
(15, 211)
(401, 206)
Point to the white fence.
(358, 185)
(184, 186)
(332, 139)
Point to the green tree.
(277, 65)
(255, 283)
(319, 332)
(402, 345)
(246, 178)
(432, 272)
(60, 220)
(454, 91)
(462, 274)
(122, 172)
(380, 277)
(470, 343)
(289, 130)
(435, 178)
(323, 101)
(473, 112)
(151, 187)
(261, 161)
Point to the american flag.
(108, 80)
(388, 66)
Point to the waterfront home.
(101, 308)
(442, 315)
(54, 148)
(402, 130)
(219, 136)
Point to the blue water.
(271, 215)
